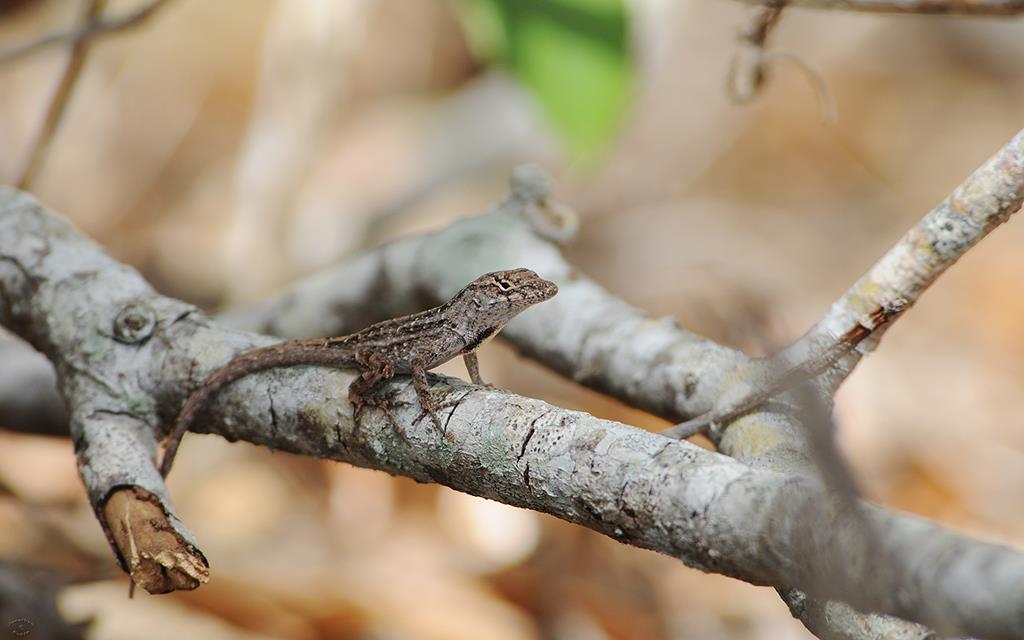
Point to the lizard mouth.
(547, 289)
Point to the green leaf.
(573, 55)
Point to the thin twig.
(952, 7)
(59, 99)
(982, 202)
(748, 68)
(92, 29)
(781, 376)
(747, 72)
(826, 103)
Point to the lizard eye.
(504, 285)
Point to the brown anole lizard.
(410, 344)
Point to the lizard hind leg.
(365, 391)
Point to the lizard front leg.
(473, 367)
(422, 386)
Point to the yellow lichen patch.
(863, 296)
(751, 437)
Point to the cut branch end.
(156, 557)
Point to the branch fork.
(126, 356)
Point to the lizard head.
(490, 301)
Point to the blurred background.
(305, 131)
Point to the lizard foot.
(386, 410)
(433, 410)
(383, 401)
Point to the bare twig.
(982, 202)
(747, 73)
(748, 68)
(59, 99)
(92, 29)
(778, 375)
(838, 621)
(766, 438)
(957, 7)
(835, 344)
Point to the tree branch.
(126, 356)
(771, 438)
(29, 402)
(59, 100)
(641, 489)
(830, 620)
(637, 351)
(93, 318)
(585, 333)
(856, 322)
(954, 7)
(89, 30)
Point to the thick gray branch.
(599, 340)
(29, 402)
(125, 357)
(642, 489)
(95, 320)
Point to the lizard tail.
(278, 355)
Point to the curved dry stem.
(59, 100)
(87, 31)
(952, 7)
